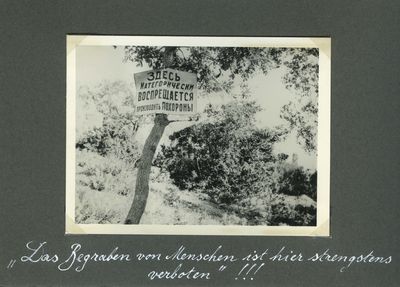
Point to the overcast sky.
(98, 63)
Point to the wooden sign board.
(166, 91)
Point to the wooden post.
(142, 179)
(144, 168)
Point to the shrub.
(293, 211)
(113, 138)
(111, 103)
(297, 181)
(104, 188)
(228, 158)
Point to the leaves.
(119, 124)
(302, 112)
(218, 67)
(209, 63)
(227, 157)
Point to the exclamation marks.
(252, 270)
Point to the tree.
(216, 68)
(142, 180)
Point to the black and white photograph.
(198, 135)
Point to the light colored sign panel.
(165, 91)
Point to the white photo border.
(323, 146)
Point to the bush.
(104, 188)
(111, 103)
(297, 181)
(293, 211)
(112, 138)
(228, 158)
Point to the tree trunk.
(143, 174)
(146, 160)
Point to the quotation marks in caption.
(11, 264)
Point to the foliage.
(293, 211)
(228, 158)
(115, 136)
(302, 112)
(104, 188)
(232, 162)
(297, 181)
(217, 67)
(209, 63)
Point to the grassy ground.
(105, 190)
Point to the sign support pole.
(142, 179)
(144, 168)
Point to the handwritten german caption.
(183, 260)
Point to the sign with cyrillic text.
(165, 91)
